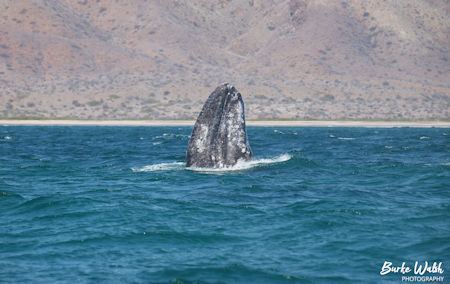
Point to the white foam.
(346, 138)
(442, 164)
(170, 136)
(245, 165)
(160, 167)
(424, 137)
(175, 166)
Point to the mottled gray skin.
(219, 138)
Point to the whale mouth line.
(239, 166)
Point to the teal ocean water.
(318, 205)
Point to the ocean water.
(318, 205)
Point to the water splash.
(160, 167)
(245, 165)
(173, 166)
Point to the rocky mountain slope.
(303, 59)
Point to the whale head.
(219, 138)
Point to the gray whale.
(219, 138)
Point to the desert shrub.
(94, 103)
(150, 101)
(327, 97)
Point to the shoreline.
(278, 123)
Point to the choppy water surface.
(116, 204)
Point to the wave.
(169, 136)
(288, 132)
(160, 167)
(245, 165)
(226, 273)
(5, 194)
(174, 166)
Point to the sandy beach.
(281, 123)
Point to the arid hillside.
(160, 59)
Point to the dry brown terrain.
(160, 59)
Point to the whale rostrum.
(219, 138)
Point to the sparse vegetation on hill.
(297, 59)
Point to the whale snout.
(233, 94)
